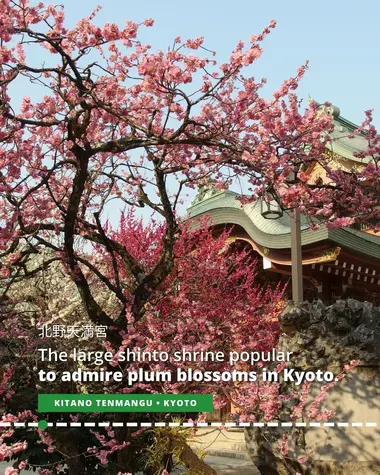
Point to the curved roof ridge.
(225, 209)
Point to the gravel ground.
(223, 465)
(230, 466)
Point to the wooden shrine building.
(336, 263)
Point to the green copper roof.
(340, 143)
(224, 208)
(344, 146)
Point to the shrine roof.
(343, 145)
(343, 140)
(224, 208)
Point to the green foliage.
(166, 450)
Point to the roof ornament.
(327, 108)
(205, 191)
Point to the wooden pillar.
(296, 249)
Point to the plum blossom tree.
(209, 302)
(121, 124)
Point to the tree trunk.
(190, 459)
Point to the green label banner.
(125, 403)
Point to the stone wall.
(327, 338)
(320, 336)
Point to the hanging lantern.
(270, 209)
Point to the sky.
(341, 40)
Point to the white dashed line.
(20, 425)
